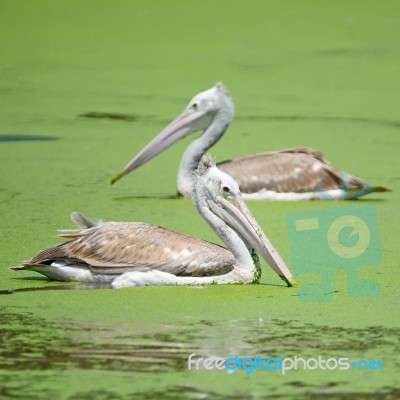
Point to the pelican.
(136, 254)
(293, 174)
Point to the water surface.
(84, 86)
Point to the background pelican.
(293, 174)
(132, 254)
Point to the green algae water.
(84, 85)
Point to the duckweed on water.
(307, 73)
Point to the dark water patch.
(26, 138)
(321, 393)
(138, 348)
(184, 392)
(295, 335)
(117, 116)
(254, 68)
(8, 195)
(100, 395)
(305, 118)
(176, 392)
(148, 196)
(71, 286)
(329, 391)
(28, 341)
(364, 200)
(345, 52)
(23, 389)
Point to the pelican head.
(211, 107)
(216, 193)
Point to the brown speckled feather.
(118, 247)
(293, 170)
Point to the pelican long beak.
(187, 122)
(238, 216)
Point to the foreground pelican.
(134, 253)
(293, 174)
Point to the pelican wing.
(118, 247)
(298, 170)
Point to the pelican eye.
(195, 106)
(226, 189)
